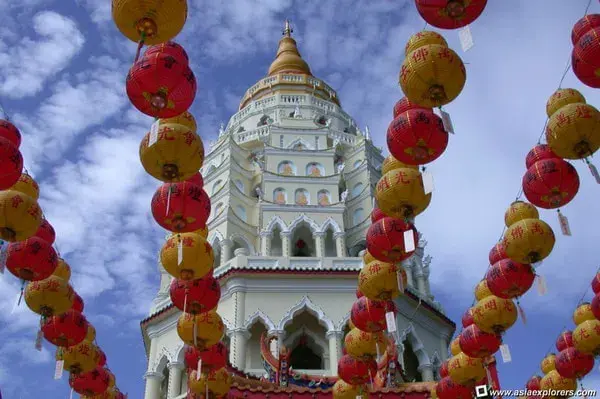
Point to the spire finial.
(287, 29)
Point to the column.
(175, 373)
(241, 252)
(320, 244)
(340, 243)
(286, 243)
(226, 246)
(265, 243)
(426, 371)
(240, 336)
(334, 338)
(237, 353)
(153, 380)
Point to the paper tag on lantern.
(466, 39)
(17, 302)
(541, 285)
(167, 208)
(199, 369)
(358, 396)
(390, 321)
(594, 172)
(179, 252)
(447, 121)
(58, 370)
(409, 241)
(400, 281)
(377, 351)
(505, 352)
(564, 224)
(38, 341)
(427, 182)
(153, 138)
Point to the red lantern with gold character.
(215, 357)
(583, 26)
(570, 363)
(68, 329)
(94, 382)
(196, 179)
(450, 14)
(595, 305)
(368, 315)
(356, 371)
(564, 340)
(476, 343)
(10, 132)
(467, 318)
(533, 384)
(170, 49)
(11, 164)
(33, 259)
(161, 86)
(376, 215)
(385, 240)
(497, 253)
(540, 152)
(46, 232)
(448, 389)
(195, 296)
(587, 47)
(101, 358)
(585, 72)
(78, 304)
(509, 279)
(551, 183)
(417, 137)
(181, 207)
(404, 105)
(596, 284)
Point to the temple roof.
(288, 58)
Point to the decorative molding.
(333, 334)
(318, 339)
(342, 324)
(259, 315)
(339, 234)
(314, 227)
(176, 365)
(153, 375)
(275, 221)
(249, 245)
(215, 238)
(241, 331)
(300, 140)
(306, 304)
(330, 222)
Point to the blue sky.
(62, 73)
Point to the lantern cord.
(425, 26)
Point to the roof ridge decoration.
(288, 58)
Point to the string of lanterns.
(162, 85)
(46, 288)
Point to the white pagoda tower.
(291, 180)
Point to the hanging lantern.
(432, 75)
(369, 316)
(533, 384)
(10, 132)
(467, 318)
(111, 379)
(494, 315)
(66, 330)
(518, 211)
(554, 381)
(160, 86)
(181, 207)
(420, 39)
(196, 260)
(583, 26)
(570, 363)
(390, 163)
(466, 370)
(559, 99)
(547, 364)
(20, 216)
(528, 241)
(509, 279)
(33, 259)
(377, 215)
(77, 303)
(46, 232)
(94, 382)
(551, 183)
(448, 389)
(342, 390)
(582, 313)
(186, 119)
(217, 382)
(356, 371)
(213, 358)
(11, 162)
(201, 331)
(368, 258)
(359, 294)
(386, 240)
(63, 270)
(91, 334)
(26, 185)
(171, 49)
(497, 253)
(587, 47)
(476, 343)
(378, 281)
(564, 341)
(79, 359)
(573, 132)
(595, 306)
(596, 284)
(417, 137)
(586, 337)
(365, 345)
(49, 297)
(101, 358)
(195, 296)
(540, 152)
(174, 154)
(455, 346)
(444, 370)
(482, 290)
(585, 72)
(450, 14)
(404, 105)
(400, 193)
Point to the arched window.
(286, 168)
(302, 197)
(357, 163)
(324, 198)
(315, 169)
(264, 120)
(299, 147)
(218, 209)
(279, 196)
(240, 211)
(358, 216)
(240, 185)
(357, 189)
(281, 141)
(216, 187)
(210, 169)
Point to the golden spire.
(288, 58)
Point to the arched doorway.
(276, 242)
(306, 343)
(411, 363)
(303, 242)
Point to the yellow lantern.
(20, 216)
(49, 297)
(586, 337)
(342, 390)
(433, 392)
(432, 75)
(400, 193)
(154, 21)
(27, 186)
(350, 324)
(111, 379)
(81, 358)
(548, 363)
(465, 370)
(494, 315)
(91, 333)
(573, 132)
(110, 393)
(202, 232)
(555, 382)
(186, 119)
(583, 313)
(197, 260)
(424, 38)
(218, 381)
(365, 345)
(518, 211)
(391, 163)
(201, 331)
(482, 290)
(176, 154)
(455, 346)
(63, 270)
(528, 241)
(368, 258)
(378, 281)
(562, 97)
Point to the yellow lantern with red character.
(378, 281)
(390, 163)
(202, 330)
(400, 193)
(583, 313)
(27, 186)
(80, 358)
(187, 256)
(455, 346)
(20, 216)
(186, 119)
(49, 297)
(365, 345)
(586, 337)
(555, 382)
(342, 390)
(518, 211)
(217, 381)
(368, 258)
(465, 370)
(562, 97)
(494, 315)
(528, 241)
(63, 270)
(482, 290)
(548, 363)
(573, 131)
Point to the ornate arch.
(276, 220)
(314, 227)
(180, 353)
(215, 237)
(228, 325)
(417, 345)
(306, 304)
(259, 316)
(300, 140)
(330, 222)
(343, 322)
(162, 360)
(248, 244)
(320, 341)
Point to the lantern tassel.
(18, 301)
(185, 300)
(139, 48)
(521, 312)
(593, 170)
(195, 333)
(371, 379)
(199, 369)
(38, 337)
(168, 201)
(488, 375)
(400, 280)
(564, 224)
(541, 284)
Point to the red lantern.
(197, 179)
(585, 72)
(356, 371)
(66, 330)
(450, 14)
(10, 133)
(478, 344)
(101, 358)
(385, 240)
(596, 284)
(444, 370)
(77, 303)
(33, 259)
(595, 305)
(564, 340)
(46, 232)
(188, 207)
(534, 383)
(213, 358)
(404, 105)
(376, 215)
(539, 153)
(583, 26)
(195, 296)
(508, 279)
(161, 86)
(417, 137)
(171, 49)
(587, 47)
(369, 316)
(551, 183)
(92, 383)
(448, 389)
(497, 253)
(359, 294)
(11, 164)
(571, 363)
(467, 318)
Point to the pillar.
(408, 266)
(153, 380)
(286, 243)
(334, 338)
(226, 246)
(175, 373)
(426, 371)
(265, 243)
(421, 283)
(241, 252)
(239, 335)
(320, 244)
(340, 243)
